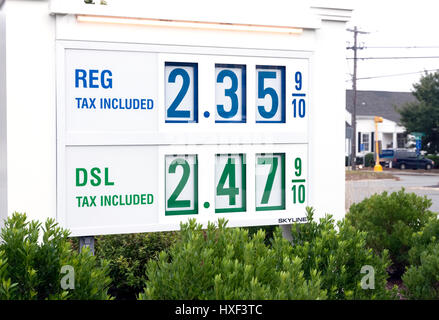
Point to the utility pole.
(354, 93)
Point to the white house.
(369, 105)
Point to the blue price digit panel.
(181, 184)
(270, 181)
(299, 96)
(181, 92)
(230, 93)
(230, 183)
(270, 94)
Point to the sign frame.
(268, 140)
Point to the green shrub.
(268, 230)
(225, 263)
(390, 221)
(423, 240)
(339, 256)
(422, 280)
(369, 160)
(33, 268)
(7, 288)
(359, 160)
(128, 255)
(422, 277)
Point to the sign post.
(3, 121)
(418, 138)
(377, 167)
(87, 242)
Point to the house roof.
(378, 103)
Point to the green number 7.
(273, 161)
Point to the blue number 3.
(231, 93)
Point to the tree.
(423, 114)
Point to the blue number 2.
(172, 111)
(262, 92)
(231, 93)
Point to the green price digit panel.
(270, 181)
(298, 188)
(230, 182)
(181, 184)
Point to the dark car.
(404, 159)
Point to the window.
(401, 140)
(365, 141)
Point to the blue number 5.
(172, 111)
(262, 92)
(231, 93)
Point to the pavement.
(421, 182)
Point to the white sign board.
(148, 139)
(3, 139)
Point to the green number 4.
(232, 191)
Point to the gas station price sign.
(147, 139)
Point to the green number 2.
(172, 201)
(232, 191)
(273, 161)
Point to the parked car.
(404, 159)
(386, 157)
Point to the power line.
(393, 58)
(401, 47)
(394, 75)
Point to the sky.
(393, 23)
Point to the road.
(419, 182)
